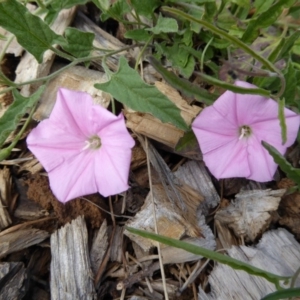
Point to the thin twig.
(155, 223)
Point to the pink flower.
(84, 148)
(231, 130)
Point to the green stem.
(62, 54)
(231, 39)
(73, 63)
(142, 52)
(231, 87)
(203, 54)
(294, 278)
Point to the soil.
(39, 191)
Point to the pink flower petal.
(226, 154)
(52, 146)
(228, 161)
(112, 170)
(74, 177)
(101, 118)
(115, 134)
(66, 146)
(270, 131)
(72, 112)
(212, 120)
(261, 163)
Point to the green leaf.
(116, 11)
(79, 43)
(221, 258)
(188, 146)
(291, 84)
(137, 35)
(185, 86)
(283, 294)
(164, 25)
(145, 8)
(266, 19)
(285, 166)
(103, 5)
(224, 35)
(243, 3)
(51, 15)
(63, 4)
(9, 121)
(31, 32)
(289, 43)
(276, 50)
(262, 5)
(210, 10)
(127, 87)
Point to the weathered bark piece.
(277, 252)
(172, 255)
(289, 210)
(31, 165)
(29, 210)
(138, 157)
(170, 220)
(12, 276)
(75, 78)
(5, 195)
(153, 128)
(71, 274)
(29, 68)
(102, 40)
(99, 247)
(249, 214)
(21, 239)
(194, 174)
(182, 197)
(116, 250)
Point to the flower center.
(244, 132)
(94, 142)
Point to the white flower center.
(94, 142)
(244, 132)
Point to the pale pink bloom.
(84, 148)
(231, 130)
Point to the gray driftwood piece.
(194, 174)
(12, 277)
(277, 252)
(249, 214)
(71, 274)
(171, 255)
(5, 187)
(20, 239)
(99, 247)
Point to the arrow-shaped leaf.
(31, 32)
(127, 87)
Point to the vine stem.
(231, 39)
(73, 63)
